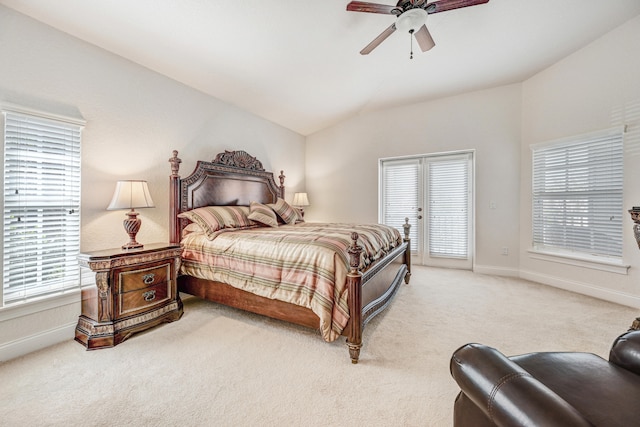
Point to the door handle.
(419, 216)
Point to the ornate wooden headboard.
(233, 178)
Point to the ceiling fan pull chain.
(411, 38)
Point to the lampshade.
(300, 199)
(130, 195)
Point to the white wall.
(342, 163)
(135, 118)
(595, 88)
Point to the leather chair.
(548, 389)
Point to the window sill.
(20, 309)
(581, 261)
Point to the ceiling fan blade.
(376, 42)
(424, 39)
(363, 6)
(444, 5)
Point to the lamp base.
(132, 226)
(134, 245)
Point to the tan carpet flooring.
(222, 367)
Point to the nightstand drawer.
(143, 299)
(143, 277)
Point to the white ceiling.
(297, 62)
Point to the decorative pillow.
(262, 214)
(288, 213)
(214, 218)
(191, 228)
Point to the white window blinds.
(41, 227)
(448, 186)
(577, 194)
(400, 179)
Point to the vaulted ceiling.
(297, 62)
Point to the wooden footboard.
(372, 291)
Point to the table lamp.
(300, 201)
(131, 194)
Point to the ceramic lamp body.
(132, 226)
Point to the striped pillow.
(214, 218)
(262, 214)
(191, 228)
(287, 212)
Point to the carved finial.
(354, 250)
(281, 177)
(238, 159)
(407, 227)
(175, 163)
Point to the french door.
(436, 193)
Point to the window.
(577, 194)
(41, 229)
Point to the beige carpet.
(221, 367)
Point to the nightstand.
(129, 291)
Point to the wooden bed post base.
(354, 283)
(407, 255)
(174, 199)
(354, 351)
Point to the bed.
(368, 270)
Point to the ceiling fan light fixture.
(412, 19)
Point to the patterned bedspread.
(304, 264)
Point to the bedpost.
(354, 283)
(407, 255)
(281, 177)
(174, 203)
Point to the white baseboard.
(583, 288)
(496, 271)
(22, 346)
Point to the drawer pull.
(149, 295)
(148, 278)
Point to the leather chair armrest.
(625, 351)
(506, 393)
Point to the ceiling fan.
(411, 16)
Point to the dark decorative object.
(238, 159)
(175, 163)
